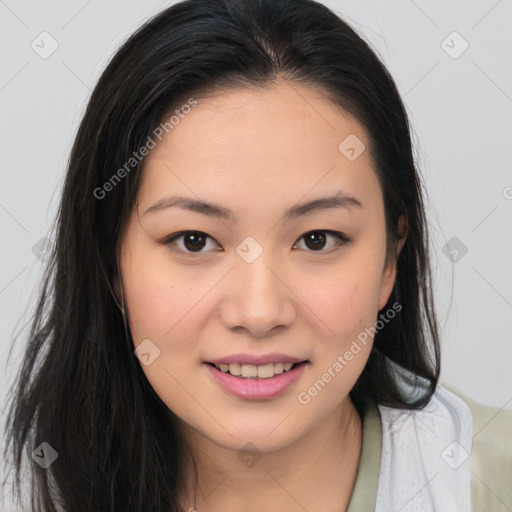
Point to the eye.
(315, 240)
(195, 241)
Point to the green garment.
(491, 459)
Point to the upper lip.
(256, 360)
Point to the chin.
(257, 441)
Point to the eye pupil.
(315, 237)
(196, 241)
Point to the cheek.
(345, 300)
(344, 297)
(161, 309)
(160, 301)
(348, 307)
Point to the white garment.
(425, 460)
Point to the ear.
(389, 272)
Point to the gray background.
(460, 108)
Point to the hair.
(80, 387)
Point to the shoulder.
(491, 458)
(445, 416)
(425, 460)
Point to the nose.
(259, 299)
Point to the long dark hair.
(80, 387)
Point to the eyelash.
(342, 240)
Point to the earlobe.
(390, 270)
(387, 283)
(403, 230)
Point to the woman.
(238, 310)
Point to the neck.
(316, 472)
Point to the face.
(202, 285)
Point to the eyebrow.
(340, 200)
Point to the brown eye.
(316, 240)
(193, 241)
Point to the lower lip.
(263, 389)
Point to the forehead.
(287, 139)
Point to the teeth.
(248, 370)
(265, 371)
(278, 368)
(235, 369)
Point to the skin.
(259, 152)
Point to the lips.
(256, 388)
